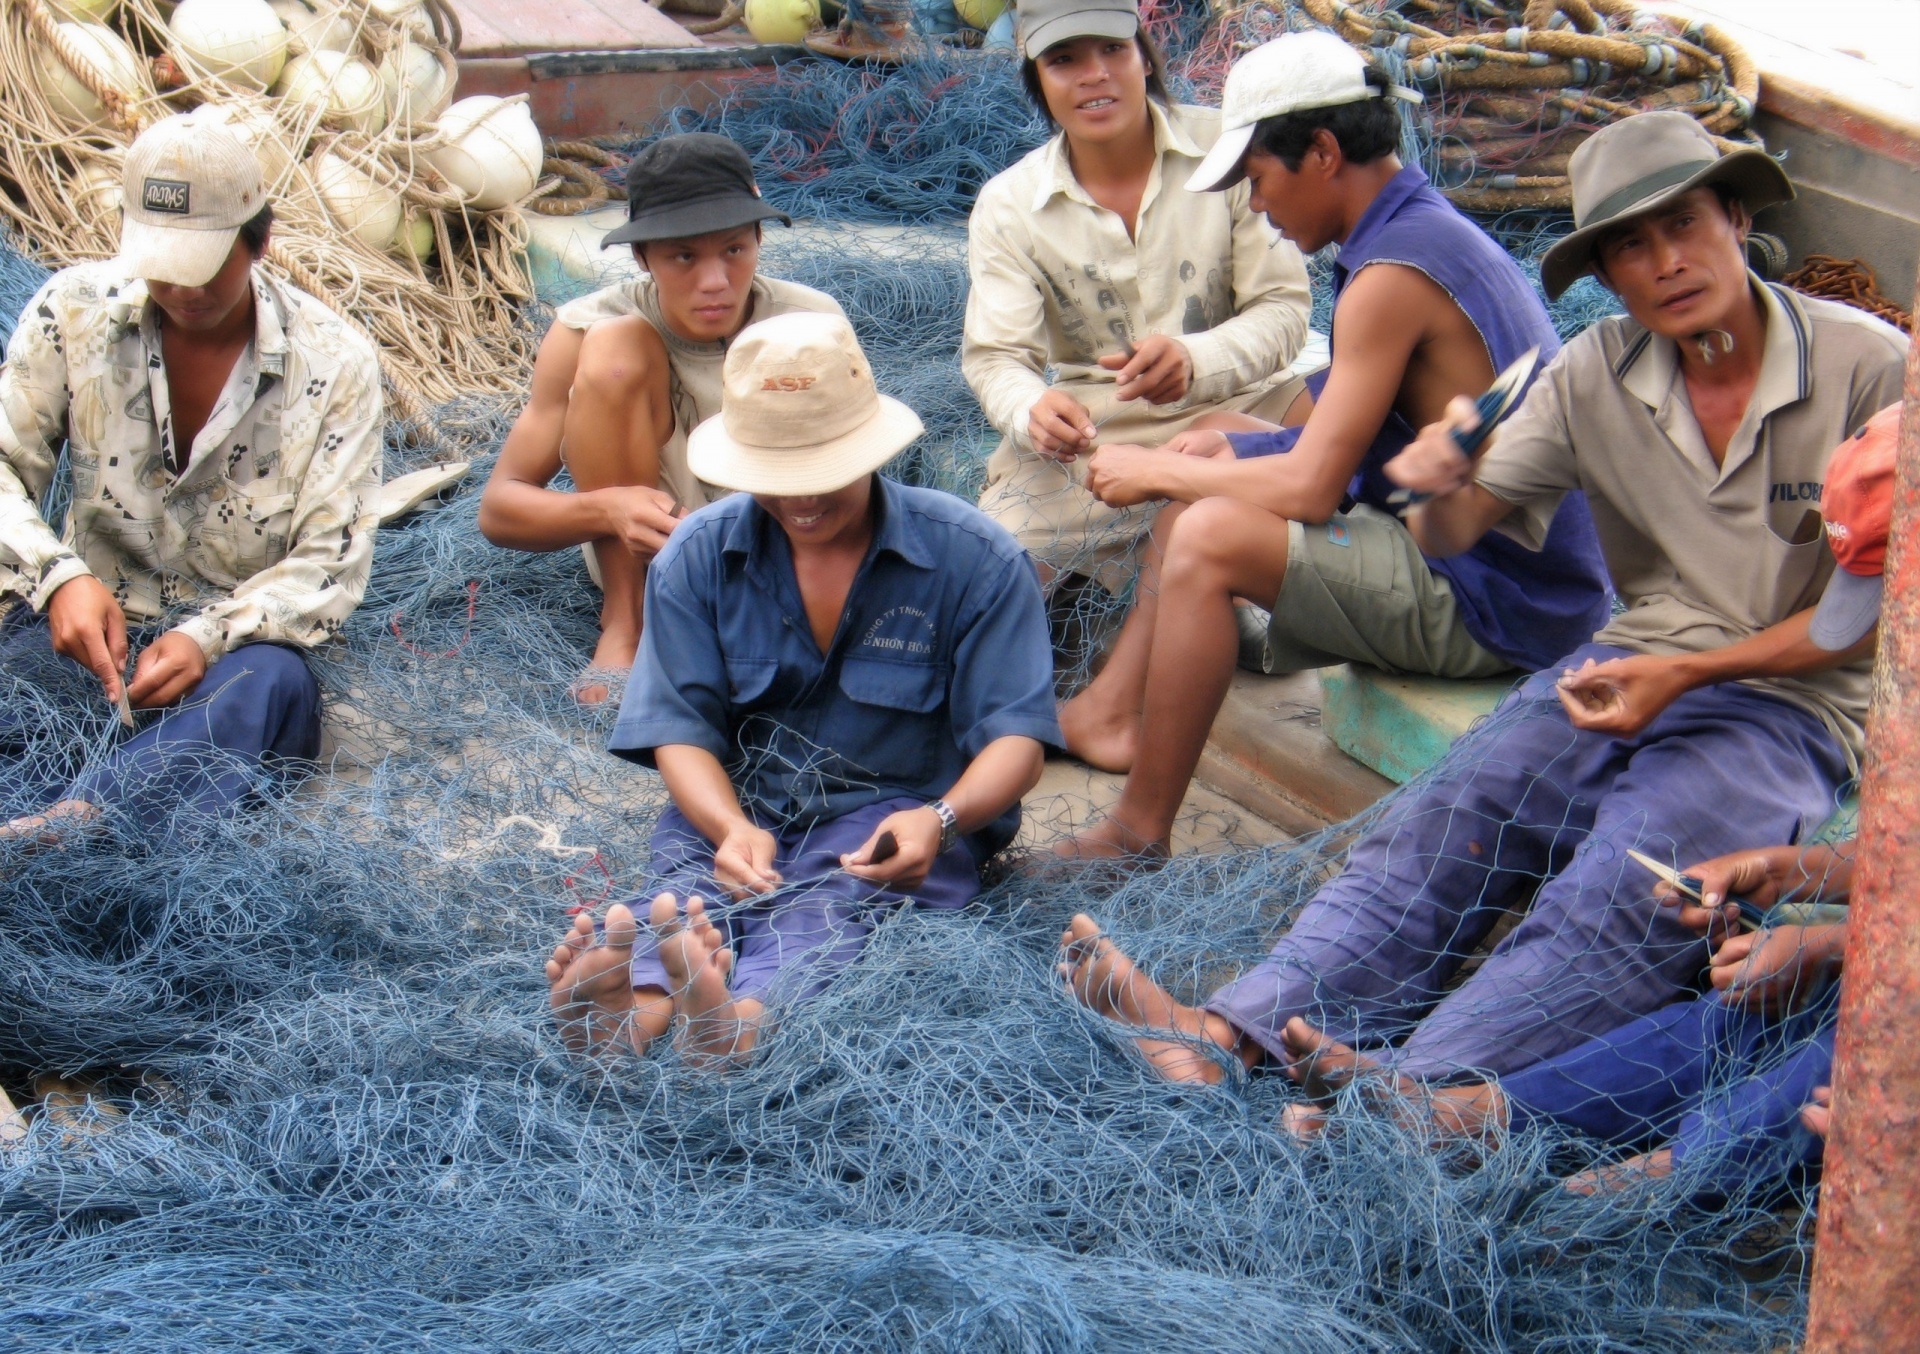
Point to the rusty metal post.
(1866, 1264)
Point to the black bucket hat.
(692, 184)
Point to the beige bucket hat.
(1643, 162)
(799, 413)
(189, 184)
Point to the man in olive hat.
(1699, 426)
(627, 372)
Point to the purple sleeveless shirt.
(1528, 607)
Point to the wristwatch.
(949, 823)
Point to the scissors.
(1752, 916)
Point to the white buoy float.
(416, 84)
(493, 153)
(980, 14)
(339, 89)
(241, 42)
(97, 191)
(256, 125)
(359, 204)
(315, 27)
(108, 54)
(417, 238)
(782, 21)
(83, 11)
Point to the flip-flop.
(614, 680)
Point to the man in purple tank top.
(1427, 308)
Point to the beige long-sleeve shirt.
(269, 527)
(1057, 282)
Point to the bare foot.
(1111, 839)
(1302, 1122)
(1321, 1064)
(1097, 735)
(54, 825)
(591, 985)
(606, 673)
(1621, 1175)
(1106, 981)
(716, 1029)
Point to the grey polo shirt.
(1704, 555)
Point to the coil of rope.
(1514, 86)
(577, 164)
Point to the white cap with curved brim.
(190, 183)
(1295, 73)
(799, 413)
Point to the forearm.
(1300, 489)
(1006, 388)
(523, 516)
(1253, 345)
(1453, 524)
(1782, 650)
(995, 780)
(701, 789)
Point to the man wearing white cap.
(1699, 425)
(845, 683)
(1426, 307)
(223, 441)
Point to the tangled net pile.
(445, 325)
(1516, 85)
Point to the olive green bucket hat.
(1644, 162)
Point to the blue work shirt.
(942, 649)
(1528, 606)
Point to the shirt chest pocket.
(891, 725)
(248, 526)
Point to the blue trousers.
(256, 710)
(1524, 802)
(790, 944)
(1715, 1082)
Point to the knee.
(275, 675)
(1219, 423)
(621, 361)
(1203, 539)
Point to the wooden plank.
(514, 28)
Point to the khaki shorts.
(1046, 505)
(1358, 590)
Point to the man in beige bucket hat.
(1699, 425)
(223, 457)
(845, 683)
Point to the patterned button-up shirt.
(267, 532)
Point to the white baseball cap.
(799, 413)
(1294, 73)
(190, 183)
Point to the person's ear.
(640, 255)
(1326, 148)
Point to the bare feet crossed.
(715, 1028)
(590, 987)
(1106, 981)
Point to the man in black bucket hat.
(1703, 719)
(626, 372)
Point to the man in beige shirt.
(1699, 425)
(1088, 258)
(223, 442)
(627, 372)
